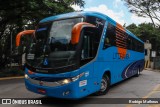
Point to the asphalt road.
(147, 85)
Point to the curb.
(9, 78)
(150, 69)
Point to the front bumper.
(70, 91)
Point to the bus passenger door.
(88, 53)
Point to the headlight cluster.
(68, 80)
(61, 82)
(26, 76)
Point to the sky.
(115, 9)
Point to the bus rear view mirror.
(76, 31)
(23, 33)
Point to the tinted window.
(87, 46)
(119, 38)
(88, 51)
(109, 37)
(129, 43)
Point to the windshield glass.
(51, 47)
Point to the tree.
(133, 28)
(145, 8)
(17, 15)
(15, 12)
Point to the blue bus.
(76, 54)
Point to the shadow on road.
(91, 99)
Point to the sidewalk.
(8, 78)
(150, 69)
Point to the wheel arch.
(108, 73)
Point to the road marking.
(129, 105)
(155, 90)
(8, 78)
(154, 105)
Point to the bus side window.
(133, 45)
(129, 43)
(109, 37)
(107, 42)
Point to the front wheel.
(105, 84)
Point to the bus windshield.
(52, 46)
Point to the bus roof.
(86, 13)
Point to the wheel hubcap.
(138, 72)
(103, 85)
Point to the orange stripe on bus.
(120, 50)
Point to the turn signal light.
(42, 91)
(30, 72)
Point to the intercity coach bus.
(76, 54)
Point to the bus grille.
(44, 83)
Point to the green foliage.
(145, 8)
(17, 15)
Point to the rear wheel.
(105, 83)
(138, 72)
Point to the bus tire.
(138, 72)
(105, 85)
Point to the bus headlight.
(26, 76)
(68, 80)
